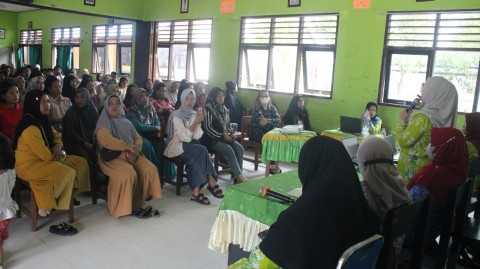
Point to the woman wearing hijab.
(78, 125)
(219, 135)
(330, 216)
(382, 185)
(183, 133)
(447, 169)
(132, 177)
(39, 158)
(35, 83)
(172, 91)
(440, 101)
(297, 114)
(232, 103)
(375, 123)
(144, 117)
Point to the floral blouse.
(413, 139)
(256, 260)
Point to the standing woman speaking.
(440, 100)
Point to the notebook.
(350, 125)
(351, 145)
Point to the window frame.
(34, 38)
(429, 51)
(72, 42)
(302, 47)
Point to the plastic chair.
(362, 255)
(400, 221)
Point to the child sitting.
(8, 206)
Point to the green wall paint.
(8, 22)
(359, 45)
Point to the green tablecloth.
(245, 198)
(277, 146)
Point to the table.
(339, 135)
(244, 213)
(277, 146)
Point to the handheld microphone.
(266, 191)
(414, 104)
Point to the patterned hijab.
(441, 102)
(375, 156)
(145, 114)
(219, 111)
(473, 128)
(120, 127)
(32, 84)
(184, 113)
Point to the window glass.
(254, 71)
(318, 73)
(200, 64)
(407, 73)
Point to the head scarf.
(84, 118)
(172, 95)
(184, 84)
(473, 128)
(375, 156)
(32, 84)
(232, 103)
(184, 113)
(294, 113)
(448, 168)
(120, 127)
(145, 114)
(231, 85)
(33, 116)
(330, 216)
(441, 102)
(111, 89)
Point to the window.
(112, 49)
(66, 47)
(184, 50)
(421, 45)
(30, 49)
(291, 54)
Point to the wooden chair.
(178, 183)
(246, 143)
(400, 221)
(362, 255)
(32, 211)
(98, 180)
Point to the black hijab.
(183, 85)
(84, 118)
(33, 116)
(331, 215)
(232, 103)
(294, 113)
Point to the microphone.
(414, 104)
(266, 191)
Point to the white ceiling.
(15, 8)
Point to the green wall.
(359, 49)
(8, 22)
(359, 44)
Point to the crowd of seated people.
(434, 156)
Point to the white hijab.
(441, 102)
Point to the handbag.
(109, 154)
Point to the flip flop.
(63, 229)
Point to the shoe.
(63, 229)
(215, 191)
(143, 213)
(76, 202)
(200, 198)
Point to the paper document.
(297, 192)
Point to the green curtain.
(20, 56)
(65, 58)
(35, 55)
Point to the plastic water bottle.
(365, 121)
(383, 132)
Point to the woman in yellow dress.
(39, 160)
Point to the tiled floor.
(177, 239)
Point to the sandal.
(63, 229)
(215, 191)
(200, 198)
(143, 213)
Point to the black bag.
(108, 154)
